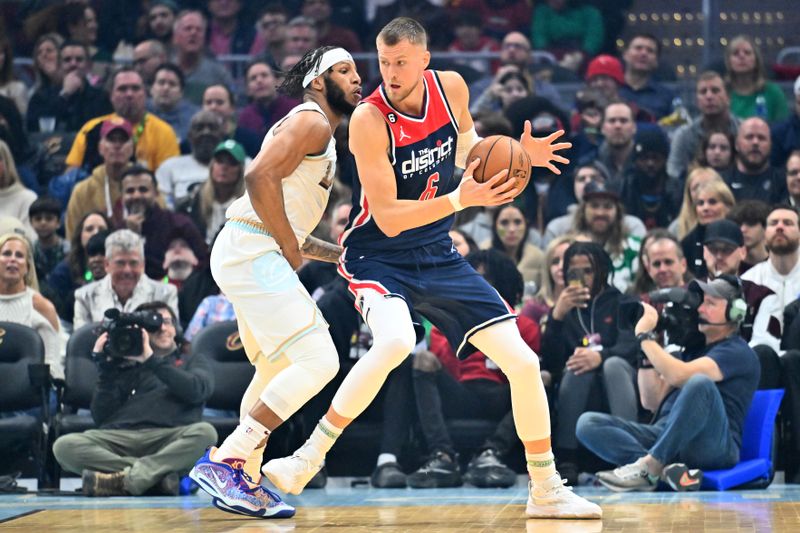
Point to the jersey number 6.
(431, 188)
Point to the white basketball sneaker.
(553, 499)
(291, 474)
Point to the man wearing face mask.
(158, 226)
(177, 175)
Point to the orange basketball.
(500, 152)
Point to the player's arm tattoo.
(320, 250)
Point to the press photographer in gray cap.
(699, 423)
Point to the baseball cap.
(719, 288)
(608, 65)
(595, 189)
(724, 230)
(116, 123)
(545, 124)
(232, 147)
(649, 141)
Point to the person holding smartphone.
(584, 347)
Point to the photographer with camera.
(584, 342)
(147, 406)
(699, 423)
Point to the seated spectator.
(583, 343)
(199, 70)
(447, 388)
(328, 33)
(584, 174)
(786, 133)
(600, 215)
(538, 307)
(586, 121)
(563, 27)
(77, 21)
(160, 20)
(219, 99)
(661, 264)
(50, 248)
(751, 94)
(147, 57)
(15, 199)
(20, 301)
(144, 441)
(751, 216)
(79, 266)
(10, 87)
(102, 190)
(509, 236)
(271, 28)
(125, 286)
(470, 38)
(687, 216)
(604, 74)
(154, 139)
(228, 31)
(508, 87)
(301, 36)
(72, 102)
(179, 175)
(704, 404)
(715, 116)
(46, 62)
(179, 261)
(619, 139)
(266, 106)
(156, 225)
(752, 176)
(717, 151)
(167, 101)
(640, 88)
(214, 308)
(648, 192)
(713, 201)
(23, 152)
(793, 178)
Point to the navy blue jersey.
(422, 151)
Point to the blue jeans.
(695, 431)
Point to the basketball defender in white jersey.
(254, 260)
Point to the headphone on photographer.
(736, 310)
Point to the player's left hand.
(541, 150)
(583, 360)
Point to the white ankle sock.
(252, 467)
(386, 458)
(244, 439)
(541, 466)
(321, 441)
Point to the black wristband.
(647, 336)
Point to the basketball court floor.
(350, 505)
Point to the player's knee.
(523, 363)
(396, 347)
(426, 361)
(328, 367)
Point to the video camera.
(678, 317)
(124, 331)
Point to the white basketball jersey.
(305, 191)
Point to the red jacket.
(475, 365)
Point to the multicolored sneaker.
(628, 478)
(681, 478)
(553, 499)
(227, 484)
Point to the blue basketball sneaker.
(226, 482)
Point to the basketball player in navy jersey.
(407, 137)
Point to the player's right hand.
(488, 193)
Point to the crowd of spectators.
(123, 144)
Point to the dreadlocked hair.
(292, 84)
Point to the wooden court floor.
(445, 510)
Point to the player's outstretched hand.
(495, 191)
(542, 151)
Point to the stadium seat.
(755, 463)
(25, 388)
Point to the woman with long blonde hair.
(15, 198)
(750, 92)
(20, 301)
(713, 201)
(687, 217)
